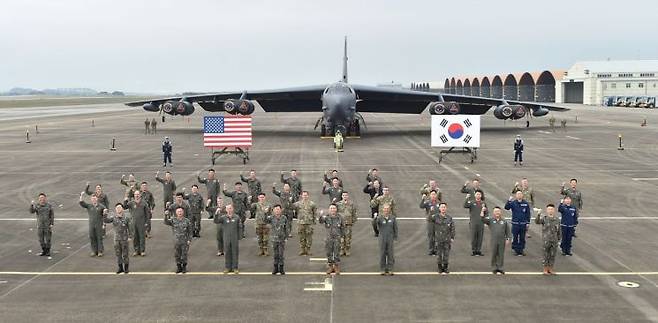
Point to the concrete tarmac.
(616, 236)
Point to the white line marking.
(645, 178)
(310, 273)
(544, 132)
(622, 218)
(318, 259)
(574, 138)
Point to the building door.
(573, 92)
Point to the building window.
(628, 85)
(647, 74)
(640, 85)
(613, 85)
(604, 75)
(625, 74)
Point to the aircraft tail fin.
(344, 79)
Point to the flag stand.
(464, 150)
(241, 153)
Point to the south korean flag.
(456, 130)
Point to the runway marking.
(319, 273)
(645, 178)
(544, 132)
(324, 286)
(574, 138)
(596, 218)
(318, 259)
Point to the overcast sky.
(212, 45)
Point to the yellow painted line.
(314, 273)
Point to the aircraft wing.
(298, 99)
(395, 100)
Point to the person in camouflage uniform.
(130, 184)
(472, 188)
(122, 235)
(261, 210)
(212, 186)
(294, 182)
(154, 126)
(551, 233)
(139, 211)
(45, 221)
(148, 197)
(335, 191)
(431, 205)
(373, 175)
(231, 228)
(195, 201)
(217, 211)
(388, 228)
(335, 232)
(528, 193)
(96, 212)
(348, 211)
(475, 223)
(168, 187)
(182, 229)
(432, 186)
(374, 189)
(444, 229)
(180, 202)
(279, 236)
(253, 184)
(240, 203)
(306, 216)
(287, 199)
(501, 236)
(329, 177)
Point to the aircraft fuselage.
(338, 107)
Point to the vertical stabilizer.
(344, 79)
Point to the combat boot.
(43, 251)
(281, 271)
(330, 269)
(120, 270)
(179, 268)
(347, 252)
(265, 252)
(302, 252)
(550, 270)
(260, 253)
(48, 252)
(125, 268)
(546, 271)
(184, 268)
(275, 270)
(337, 269)
(308, 251)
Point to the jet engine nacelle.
(184, 108)
(540, 112)
(243, 107)
(246, 107)
(151, 107)
(438, 108)
(168, 107)
(518, 112)
(504, 111)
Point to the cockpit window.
(339, 89)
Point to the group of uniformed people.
(182, 211)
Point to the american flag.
(227, 131)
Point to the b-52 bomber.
(342, 103)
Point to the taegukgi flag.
(456, 130)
